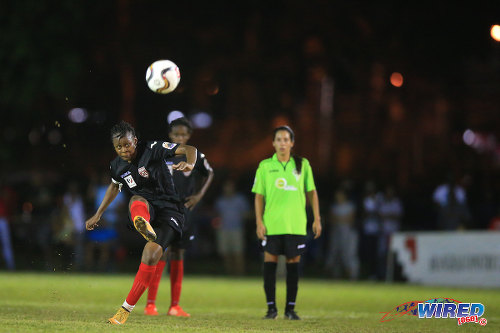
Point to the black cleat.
(271, 314)
(291, 314)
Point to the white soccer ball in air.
(163, 76)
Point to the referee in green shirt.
(280, 187)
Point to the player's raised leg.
(151, 255)
(139, 212)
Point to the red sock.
(139, 208)
(141, 282)
(155, 281)
(176, 275)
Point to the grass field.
(82, 303)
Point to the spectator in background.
(5, 236)
(391, 212)
(370, 230)
(232, 208)
(343, 253)
(73, 203)
(451, 202)
(41, 213)
(103, 239)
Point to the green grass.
(82, 303)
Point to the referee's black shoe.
(272, 313)
(291, 314)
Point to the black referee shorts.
(288, 245)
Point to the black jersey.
(186, 182)
(148, 174)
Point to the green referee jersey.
(284, 195)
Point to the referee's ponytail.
(297, 158)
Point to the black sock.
(292, 285)
(270, 283)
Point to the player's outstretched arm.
(190, 153)
(109, 196)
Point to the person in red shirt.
(5, 237)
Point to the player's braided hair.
(121, 129)
(182, 121)
(297, 158)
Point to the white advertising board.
(470, 258)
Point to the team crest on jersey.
(168, 145)
(143, 172)
(130, 181)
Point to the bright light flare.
(78, 115)
(469, 137)
(495, 32)
(174, 115)
(396, 79)
(201, 120)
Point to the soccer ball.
(163, 76)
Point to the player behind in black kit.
(154, 208)
(186, 183)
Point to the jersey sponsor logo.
(152, 145)
(273, 170)
(130, 181)
(169, 145)
(143, 172)
(301, 246)
(281, 183)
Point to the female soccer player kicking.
(154, 208)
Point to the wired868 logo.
(439, 308)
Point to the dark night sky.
(56, 56)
